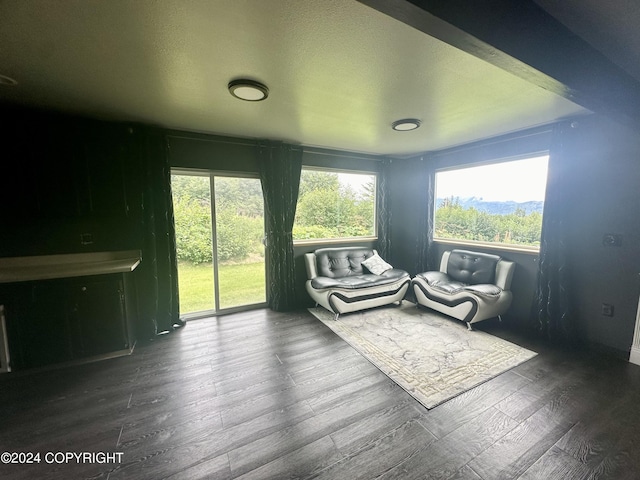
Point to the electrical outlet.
(607, 310)
(86, 239)
(611, 240)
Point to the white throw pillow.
(376, 265)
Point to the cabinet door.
(98, 316)
(42, 325)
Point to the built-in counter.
(60, 308)
(46, 267)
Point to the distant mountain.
(498, 208)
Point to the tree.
(240, 195)
(454, 221)
(193, 229)
(239, 218)
(328, 208)
(312, 180)
(191, 186)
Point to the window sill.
(333, 241)
(493, 246)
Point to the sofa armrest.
(444, 261)
(504, 274)
(310, 264)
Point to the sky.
(355, 180)
(519, 181)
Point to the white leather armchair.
(470, 286)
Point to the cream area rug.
(433, 357)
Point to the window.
(335, 205)
(492, 203)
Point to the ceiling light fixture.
(248, 90)
(406, 124)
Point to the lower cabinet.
(53, 321)
(97, 317)
(38, 326)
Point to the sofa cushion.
(353, 282)
(441, 281)
(484, 290)
(472, 267)
(341, 262)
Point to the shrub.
(193, 230)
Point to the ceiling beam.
(521, 38)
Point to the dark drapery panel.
(383, 210)
(425, 212)
(280, 167)
(552, 316)
(157, 278)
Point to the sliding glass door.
(219, 231)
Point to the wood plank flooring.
(260, 395)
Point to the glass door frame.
(217, 311)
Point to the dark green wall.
(404, 186)
(605, 198)
(211, 152)
(64, 177)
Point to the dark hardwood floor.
(262, 395)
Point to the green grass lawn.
(239, 285)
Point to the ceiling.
(339, 72)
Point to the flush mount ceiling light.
(405, 124)
(248, 90)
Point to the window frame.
(531, 249)
(342, 240)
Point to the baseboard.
(78, 361)
(634, 355)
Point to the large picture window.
(335, 205)
(498, 203)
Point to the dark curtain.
(552, 316)
(280, 167)
(158, 272)
(425, 212)
(383, 210)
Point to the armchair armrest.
(444, 261)
(504, 274)
(310, 264)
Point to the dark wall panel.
(210, 152)
(75, 185)
(404, 187)
(606, 199)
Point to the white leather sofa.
(339, 282)
(470, 286)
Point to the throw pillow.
(376, 265)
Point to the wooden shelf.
(45, 267)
